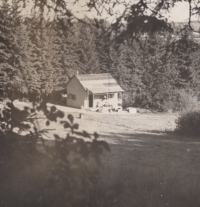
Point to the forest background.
(38, 56)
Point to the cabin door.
(90, 100)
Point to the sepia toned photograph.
(99, 103)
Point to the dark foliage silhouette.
(188, 123)
(37, 172)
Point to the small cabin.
(93, 90)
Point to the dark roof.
(99, 83)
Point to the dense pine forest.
(39, 55)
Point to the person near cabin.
(104, 101)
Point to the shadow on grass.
(151, 169)
(153, 136)
(143, 169)
(37, 172)
(55, 173)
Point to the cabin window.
(73, 97)
(101, 97)
(110, 95)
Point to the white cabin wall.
(74, 87)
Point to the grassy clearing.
(146, 166)
(153, 170)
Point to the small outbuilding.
(93, 90)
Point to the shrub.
(188, 123)
(127, 103)
(143, 111)
(186, 101)
(178, 100)
(153, 102)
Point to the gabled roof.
(99, 83)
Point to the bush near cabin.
(189, 123)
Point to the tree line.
(39, 55)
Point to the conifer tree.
(15, 46)
(80, 50)
(45, 58)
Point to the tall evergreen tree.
(79, 50)
(15, 46)
(45, 60)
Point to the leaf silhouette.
(71, 118)
(75, 126)
(60, 114)
(53, 109)
(96, 135)
(57, 137)
(85, 134)
(47, 123)
(66, 124)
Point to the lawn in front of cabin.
(148, 165)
